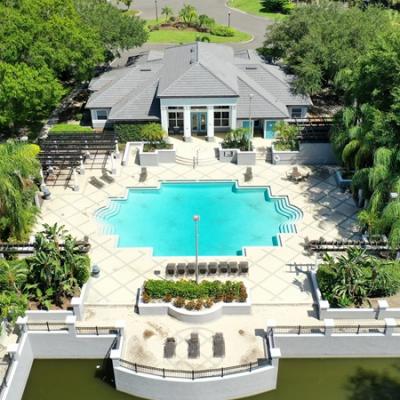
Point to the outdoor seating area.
(297, 174)
(193, 346)
(210, 268)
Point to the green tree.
(188, 13)
(116, 30)
(318, 41)
(206, 22)
(27, 95)
(167, 12)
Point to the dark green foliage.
(46, 45)
(282, 6)
(190, 290)
(50, 275)
(151, 132)
(351, 279)
(237, 139)
(367, 133)
(320, 42)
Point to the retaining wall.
(308, 154)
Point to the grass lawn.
(255, 7)
(171, 35)
(70, 128)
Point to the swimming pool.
(231, 218)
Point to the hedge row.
(190, 290)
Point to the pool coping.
(101, 225)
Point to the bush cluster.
(238, 139)
(281, 6)
(151, 132)
(192, 295)
(352, 279)
(52, 274)
(287, 137)
(221, 30)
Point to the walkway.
(216, 9)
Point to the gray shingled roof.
(194, 70)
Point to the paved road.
(216, 9)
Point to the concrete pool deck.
(277, 280)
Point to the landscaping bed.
(70, 128)
(191, 295)
(150, 147)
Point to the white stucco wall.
(228, 387)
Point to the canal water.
(299, 379)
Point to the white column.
(187, 129)
(233, 116)
(210, 123)
(164, 118)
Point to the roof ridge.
(262, 92)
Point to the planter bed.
(156, 157)
(204, 315)
(237, 156)
(325, 311)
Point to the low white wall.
(148, 159)
(78, 303)
(50, 345)
(309, 154)
(47, 316)
(338, 345)
(20, 370)
(228, 387)
(237, 156)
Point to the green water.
(305, 379)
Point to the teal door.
(199, 122)
(269, 129)
(246, 124)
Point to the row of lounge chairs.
(194, 346)
(211, 268)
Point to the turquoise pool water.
(230, 218)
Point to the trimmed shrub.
(190, 290)
(70, 128)
(151, 132)
(281, 6)
(237, 139)
(221, 30)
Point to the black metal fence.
(97, 330)
(194, 374)
(80, 330)
(337, 329)
(46, 326)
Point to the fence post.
(383, 305)
(22, 324)
(192, 375)
(390, 324)
(222, 372)
(163, 372)
(70, 321)
(329, 326)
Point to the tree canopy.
(48, 44)
(367, 133)
(318, 41)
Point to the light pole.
(196, 219)
(250, 122)
(229, 19)
(156, 4)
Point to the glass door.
(199, 122)
(269, 129)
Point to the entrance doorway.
(199, 121)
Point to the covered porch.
(198, 120)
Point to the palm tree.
(18, 168)
(188, 13)
(12, 275)
(167, 12)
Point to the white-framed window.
(297, 112)
(101, 114)
(175, 117)
(221, 117)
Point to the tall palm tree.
(188, 13)
(18, 168)
(167, 12)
